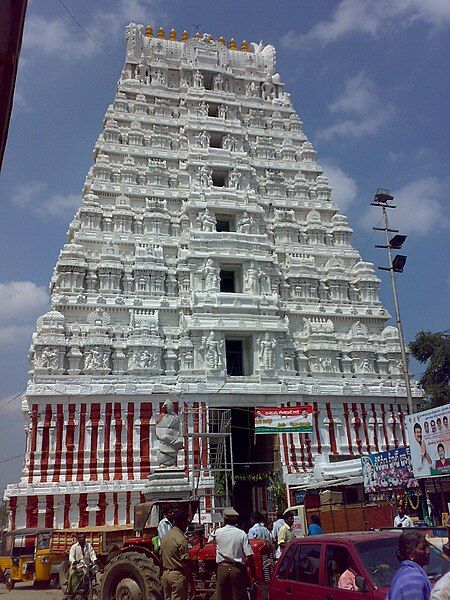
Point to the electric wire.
(75, 20)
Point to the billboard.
(429, 440)
(287, 419)
(388, 470)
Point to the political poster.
(287, 419)
(429, 441)
(390, 470)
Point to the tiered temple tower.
(207, 263)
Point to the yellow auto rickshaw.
(25, 556)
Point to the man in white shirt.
(232, 549)
(402, 519)
(278, 524)
(420, 459)
(165, 525)
(81, 557)
(258, 531)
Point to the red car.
(310, 567)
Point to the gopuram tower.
(207, 264)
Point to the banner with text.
(390, 470)
(429, 440)
(287, 419)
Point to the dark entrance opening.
(234, 350)
(254, 457)
(227, 281)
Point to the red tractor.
(133, 571)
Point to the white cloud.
(19, 299)
(362, 110)
(344, 187)
(60, 36)
(370, 17)
(21, 302)
(420, 207)
(34, 196)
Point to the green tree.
(4, 514)
(434, 349)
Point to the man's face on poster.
(418, 433)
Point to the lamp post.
(396, 265)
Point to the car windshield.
(380, 559)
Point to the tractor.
(133, 571)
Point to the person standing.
(231, 551)
(177, 578)
(402, 520)
(411, 582)
(277, 526)
(81, 557)
(285, 534)
(165, 525)
(315, 527)
(258, 531)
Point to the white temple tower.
(207, 263)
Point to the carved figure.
(245, 223)
(204, 139)
(202, 109)
(198, 79)
(223, 111)
(252, 89)
(267, 352)
(268, 89)
(50, 359)
(226, 85)
(229, 143)
(218, 82)
(207, 220)
(234, 179)
(206, 176)
(94, 359)
(250, 280)
(168, 434)
(211, 352)
(145, 360)
(211, 276)
(184, 81)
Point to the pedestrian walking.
(177, 578)
(315, 527)
(232, 550)
(277, 526)
(401, 519)
(285, 534)
(258, 531)
(411, 582)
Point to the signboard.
(429, 440)
(388, 470)
(287, 419)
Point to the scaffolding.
(219, 462)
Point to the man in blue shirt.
(411, 582)
(315, 528)
(258, 531)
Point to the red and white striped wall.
(87, 463)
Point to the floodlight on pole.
(396, 265)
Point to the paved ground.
(23, 591)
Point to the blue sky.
(369, 79)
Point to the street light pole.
(405, 365)
(381, 200)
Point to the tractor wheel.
(131, 576)
(63, 573)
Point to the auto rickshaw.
(25, 556)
